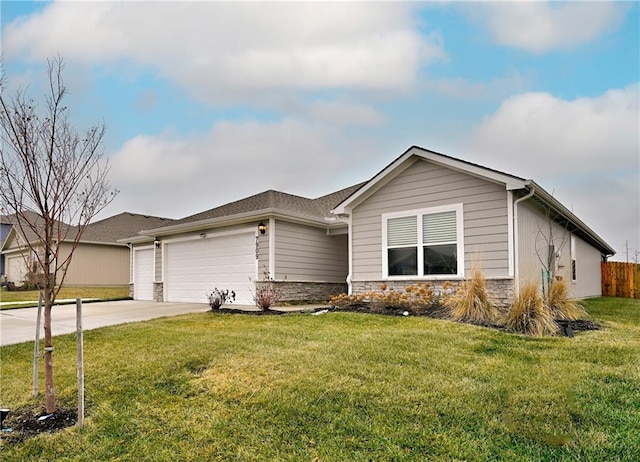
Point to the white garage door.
(194, 268)
(143, 274)
(16, 269)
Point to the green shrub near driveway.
(342, 386)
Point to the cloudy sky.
(209, 102)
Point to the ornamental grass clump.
(562, 308)
(529, 314)
(471, 302)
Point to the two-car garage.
(193, 266)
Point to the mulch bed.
(24, 423)
(439, 312)
(253, 312)
(435, 311)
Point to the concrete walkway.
(19, 325)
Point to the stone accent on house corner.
(131, 290)
(305, 291)
(500, 290)
(158, 292)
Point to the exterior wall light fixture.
(262, 227)
(156, 242)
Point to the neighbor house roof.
(107, 231)
(27, 233)
(111, 230)
(511, 182)
(254, 207)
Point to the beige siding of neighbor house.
(97, 265)
(424, 185)
(303, 253)
(533, 239)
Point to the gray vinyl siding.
(303, 253)
(263, 255)
(424, 185)
(157, 270)
(533, 240)
(589, 271)
(97, 265)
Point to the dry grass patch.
(561, 306)
(471, 302)
(529, 314)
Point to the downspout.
(516, 262)
(349, 246)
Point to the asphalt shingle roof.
(313, 208)
(120, 226)
(106, 231)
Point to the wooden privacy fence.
(620, 279)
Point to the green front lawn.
(342, 387)
(100, 293)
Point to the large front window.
(423, 243)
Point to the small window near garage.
(574, 270)
(424, 243)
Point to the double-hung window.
(423, 243)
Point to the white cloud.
(577, 136)
(171, 176)
(345, 113)
(539, 27)
(586, 151)
(461, 88)
(224, 49)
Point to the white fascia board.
(568, 215)
(230, 220)
(510, 182)
(379, 180)
(409, 158)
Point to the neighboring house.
(5, 227)
(99, 259)
(426, 217)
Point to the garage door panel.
(194, 268)
(16, 269)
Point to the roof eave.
(404, 161)
(568, 215)
(230, 220)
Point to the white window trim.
(458, 208)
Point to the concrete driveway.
(19, 325)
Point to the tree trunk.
(50, 397)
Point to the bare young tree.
(548, 246)
(53, 180)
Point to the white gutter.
(516, 262)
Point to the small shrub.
(471, 303)
(344, 301)
(267, 293)
(266, 296)
(415, 299)
(529, 314)
(218, 297)
(561, 306)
